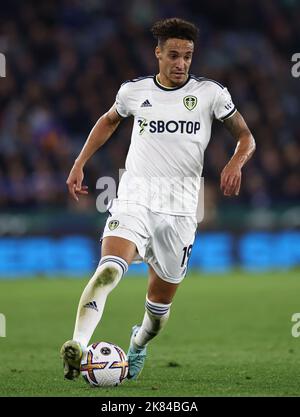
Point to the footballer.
(150, 221)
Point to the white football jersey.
(171, 130)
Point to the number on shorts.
(186, 254)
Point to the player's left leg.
(157, 310)
(171, 242)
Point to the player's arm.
(100, 133)
(232, 174)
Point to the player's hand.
(231, 179)
(74, 182)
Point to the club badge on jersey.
(113, 224)
(190, 102)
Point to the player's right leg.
(117, 254)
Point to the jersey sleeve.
(123, 101)
(223, 106)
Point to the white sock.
(155, 318)
(93, 298)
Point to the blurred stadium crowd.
(66, 60)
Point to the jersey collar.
(169, 88)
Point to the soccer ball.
(104, 364)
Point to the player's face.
(175, 58)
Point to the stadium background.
(65, 61)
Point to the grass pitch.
(227, 336)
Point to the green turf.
(227, 336)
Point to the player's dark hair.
(174, 28)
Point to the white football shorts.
(163, 241)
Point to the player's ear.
(157, 52)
